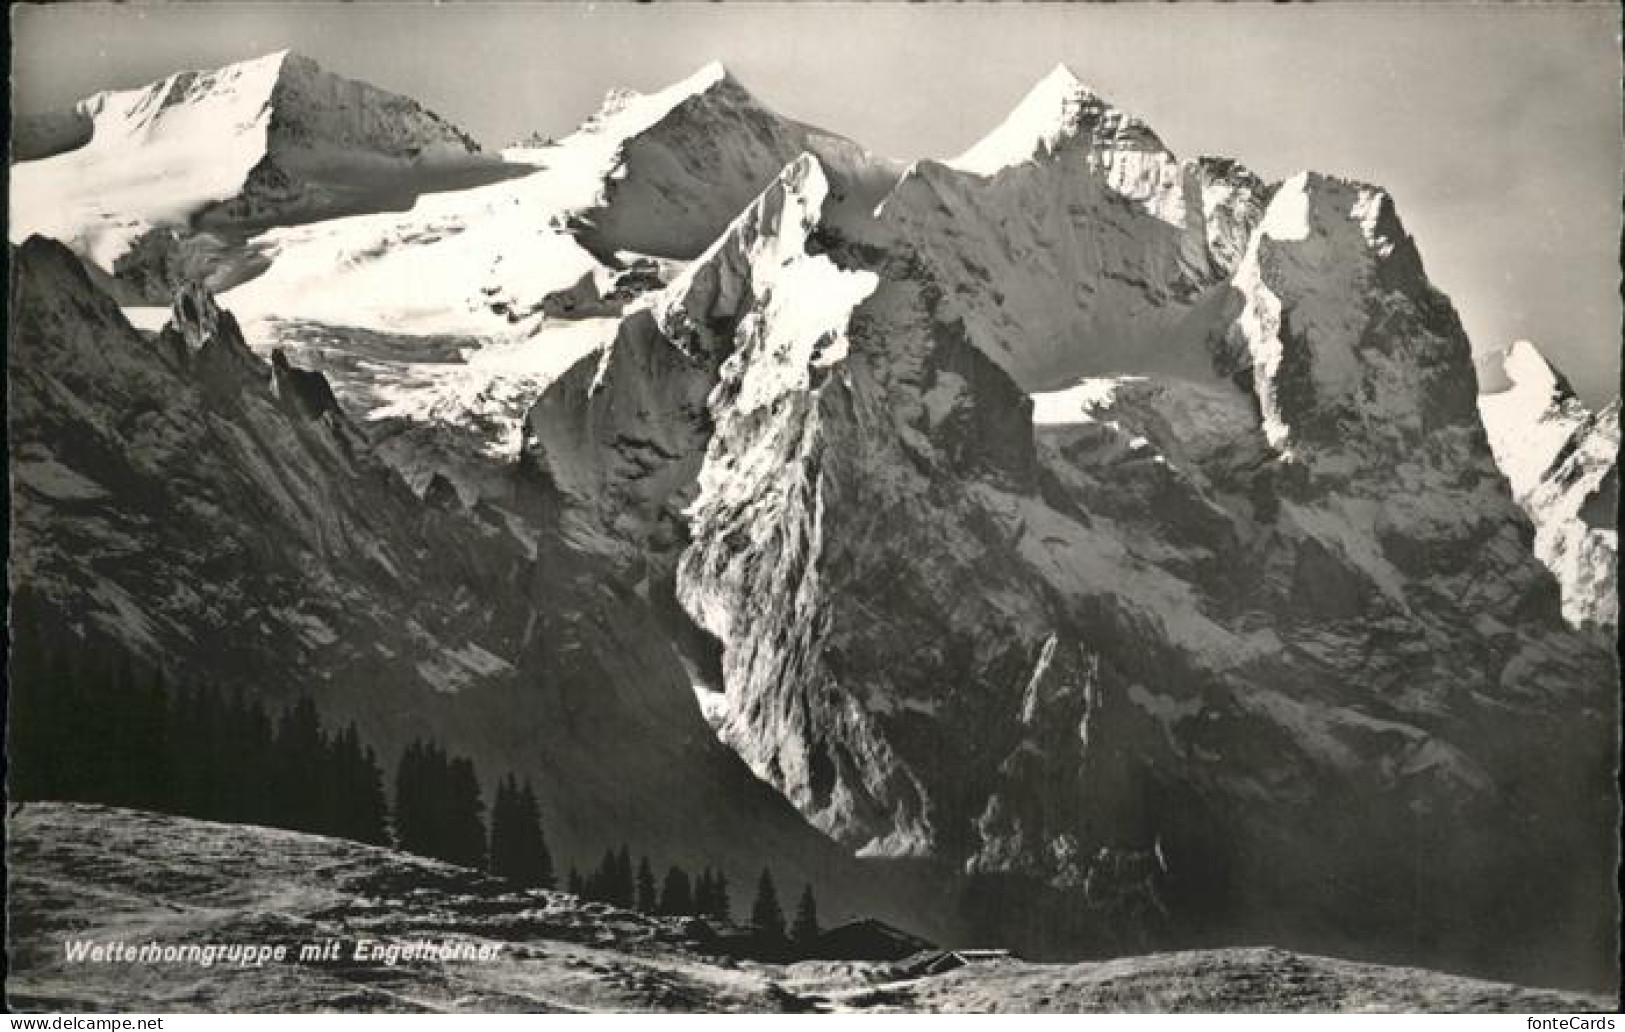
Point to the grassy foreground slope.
(100, 874)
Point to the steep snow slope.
(1258, 614)
(276, 139)
(1563, 464)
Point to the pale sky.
(1496, 126)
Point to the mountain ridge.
(1116, 532)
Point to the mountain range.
(1067, 544)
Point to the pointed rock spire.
(304, 391)
(205, 339)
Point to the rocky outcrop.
(302, 390)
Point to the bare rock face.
(1562, 461)
(1258, 603)
(1342, 330)
(303, 390)
(207, 342)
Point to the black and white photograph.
(823, 508)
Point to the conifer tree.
(354, 795)
(765, 913)
(438, 808)
(144, 741)
(518, 848)
(675, 894)
(804, 929)
(623, 886)
(575, 886)
(299, 751)
(372, 813)
(703, 891)
(251, 794)
(37, 746)
(721, 905)
(601, 885)
(538, 869)
(90, 722)
(465, 825)
(648, 900)
(414, 803)
(504, 862)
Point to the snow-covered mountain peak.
(1531, 376)
(625, 112)
(1562, 463)
(127, 113)
(1532, 422)
(1312, 202)
(682, 162)
(1324, 248)
(1058, 109)
(1061, 78)
(709, 74)
(272, 140)
(280, 88)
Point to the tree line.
(616, 882)
(87, 725)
